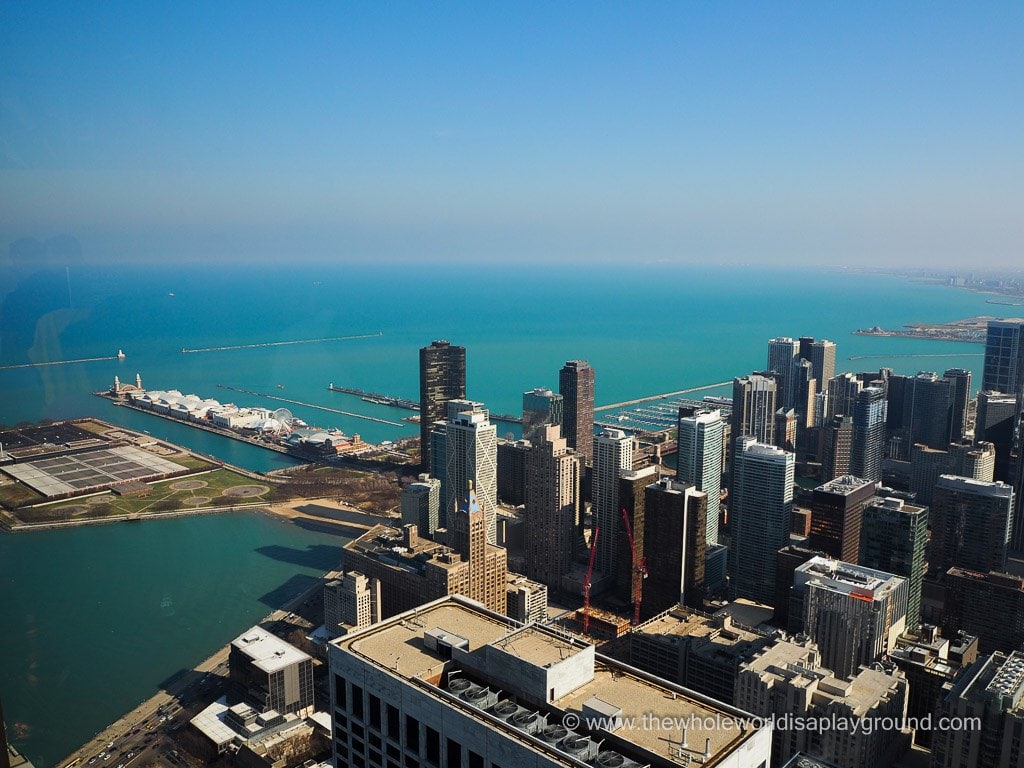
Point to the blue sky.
(798, 133)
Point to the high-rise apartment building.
(822, 356)
(512, 471)
(442, 378)
(842, 394)
(753, 408)
(701, 439)
(541, 407)
(452, 684)
(675, 546)
(837, 445)
(962, 459)
(576, 385)
(613, 454)
(869, 413)
(960, 378)
(852, 612)
(351, 603)
(1004, 356)
(630, 548)
(893, 539)
(970, 523)
(836, 512)
(553, 512)
(782, 353)
(759, 512)
(989, 695)
(989, 606)
(995, 423)
(471, 461)
(421, 505)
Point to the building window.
(357, 701)
(393, 723)
(412, 734)
(374, 712)
(433, 746)
(454, 756)
(475, 760)
(340, 697)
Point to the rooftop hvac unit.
(528, 721)
(609, 759)
(578, 746)
(459, 685)
(553, 733)
(505, 709)
(480, 697)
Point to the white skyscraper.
(699, 460)
(471, 456)
(760, 513)
(613, 452)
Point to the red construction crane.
(586, 581)
(639, 568)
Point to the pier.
(185, 351)
(311, 405)
(660, 397)
(376, 398)
(119, 356)
(917, 354)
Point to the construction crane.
(639, 569)
(586, 581)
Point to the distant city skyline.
(795, 133)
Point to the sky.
(869, 133)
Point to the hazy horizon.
(872, 135)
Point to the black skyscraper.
(442, 378)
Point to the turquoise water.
(119, 608)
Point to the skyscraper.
(868, 434)
(822, 356)
(837, 444)
(699, 460)
(471, 461)
(540, 407)
(552, 507)
(421, 505)
(1004, 356)
(576, 385)
(970, 524)
(675, 545)
(782, 353)
(893, 538)
(613, 453)
(842, 394)
(836, 514)
(960, 379)
(995, 423)
(753, 407)
(630, 550)
(759, 513)
(442, 378)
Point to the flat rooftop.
(267, 652)
(89, 470)
(537, 647)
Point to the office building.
(753, 408)
(541, 407)
(553, 511)
(837, 444)
(927, 465)
(853, 613)
(842, 394)
(783, 352)
(699, 459)
(894, 539)
(785, 429)
(960, 378)
(791, 682)
(759, 512)
(350, 603)
(1004, 357)
(930, 663)
(613, 453)
(987, 605)
(630, 555)
(787, 560)
(411, 569)
(512, 471)
(421, 505)
(451, 683)
(576, 385)
(988, 694)
(805, 409)
(836, 511)
(822, 356)
(525, 600)
(471, 461)
(696, 650)
(867, 450)
(675, 545)
(273, 674)
(994, 423)
(970, 523)
(442, 378)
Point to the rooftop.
(997, 489)
(844, 485)
(268, 653)
(845, 577)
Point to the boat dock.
(119, 356)
(651, 398)
(185, 351)
(311, 405)
(377, 398)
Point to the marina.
(652, 398)
(659, 416)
